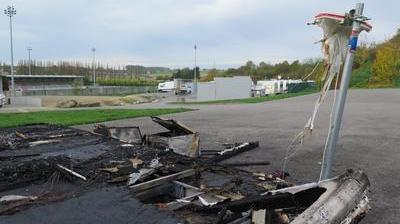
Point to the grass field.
(75, 117)
(361, 76)
(253, 99)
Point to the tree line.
(104, 74)
(263, 71)
(186, 73)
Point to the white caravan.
(272, 86)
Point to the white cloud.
(164, 31)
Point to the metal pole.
(12, 59)
(195, 70)
(10, 12)
(94, 66)
(29, 60)
(330, 146)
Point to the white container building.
(222, 88)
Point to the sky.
(163, 32)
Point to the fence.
(297, 87)
(90, 91)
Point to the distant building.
(24, 83)
(222, 88)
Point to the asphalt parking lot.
(369, 139)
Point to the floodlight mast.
(330, 146)
(10, 12)
(29, 60)
(94, 66)
(195, 70)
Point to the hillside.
(378, 65)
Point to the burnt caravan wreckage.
(59, 167)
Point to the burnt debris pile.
(161, 174)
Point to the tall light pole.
(29, 60)
(94, 66)
(10, 12)
(195, 70)
(338, 107)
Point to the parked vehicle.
(257, 90)
(183, 86)
(270, 86)
(167, 86)
(3, 99)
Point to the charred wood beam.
(158, 181)
(71, 172)
(229, 153)
(277, 201)
(147, 195)
(284, 200)
(246, 164)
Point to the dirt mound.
(67, 104)
(94, 101)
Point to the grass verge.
(361, 76)
(253, 99)
(75, 117)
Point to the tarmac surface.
(89, 209)
(369, 138)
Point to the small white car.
(3, 99)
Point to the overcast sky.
(163, 32)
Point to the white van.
(168, 86)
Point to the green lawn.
(253, 99)
(75, 117)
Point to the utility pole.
(330, 146)
(195, 70)
(29, 60)
(94, 66)
(10, 12)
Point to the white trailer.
(271, 86)
(276, 86)
(183, 86)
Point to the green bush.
(361, 76)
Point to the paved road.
(370, 139)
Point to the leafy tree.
(386, 68)
(210, 75)
(186, 73)
(364, 54)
